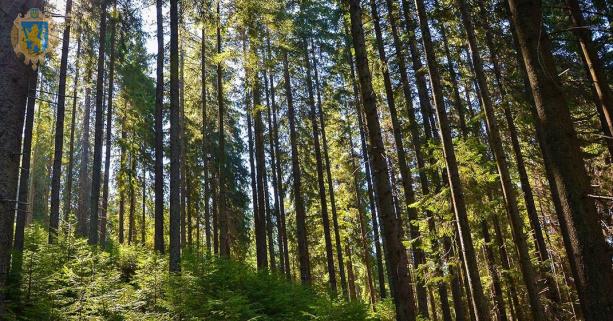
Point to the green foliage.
(73, 281)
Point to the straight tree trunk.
(54, 216)
(405, 175)
(371, 193)
(132, 192)
(579, 220)
(274, 158)
(395, 251)
(205, 142)
(224, 241)
(175, 143)
(499, 307)
(301, 233)
(14, 85)
(320, 175)
(24, 178)
(477, 297)
(182, 158)
(260, 162)
(143, 231)
(98, 130)
(337, 234)
(109, 119)
(159, 133)
(84, 181)
(352, 291)
(121, 176)
(69, 173)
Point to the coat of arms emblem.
(30, 36)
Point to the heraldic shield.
(30, 36)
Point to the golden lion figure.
(34, 39)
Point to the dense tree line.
(450, 157)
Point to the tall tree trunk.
(320, 175)
(69, 173)
(301, 233)
(352, 290)
(143, 231)
(594, 64)
(54, 217)
(260, 162)
(98, 130)
(476, 290)
(224, 240)
(182, 158)
(274, 158)
(537, 232)
(24, 178)
(121, 178)
(109, 119)
(159, 132)
(175, 148)
(14, 84)
(275, 191)
(84, 181)
(579, 220)
(508, 191)
(395, 251)
(132, 192)
(337, 234)
(205, 142)
(405, 175)
(279, 178)
(371, 193)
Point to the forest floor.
(71, 280)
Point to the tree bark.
(395, 251)
(159, 133)
(224, 241)
(579, 220)
(301, 233)
(98, 130)
(54, 217)
(84, 181)
(470, 261)
(109, 119)
(175, 148)
(205, 142)
(320, 176)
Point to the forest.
(337, 160)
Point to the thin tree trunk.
(405, 176)
(260, 162)
(98, 130)
(224, 240)
(132, 192)
(371, 193)
(320, 175)
(593, 63)
(491, 267)
(175, 150)
(470, 261)
(301, 233)
(395, 251)
(205, 143)
(121, 178)
(159, 133)
(350, 274)
(54, 217)
(337, 234)
(143, 231)
(84, 183)
(109, 119)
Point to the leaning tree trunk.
(476, 290)
(405, 175)
(159, 133)
(175, 148)
(395, 250)
(301, 232)
(579, 220)
(98, 130)
(54, 216)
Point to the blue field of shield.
(36, 35)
